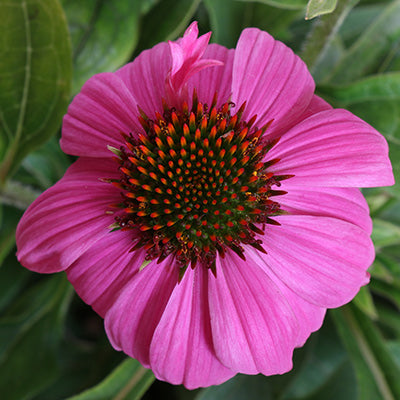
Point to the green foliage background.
(53, 346)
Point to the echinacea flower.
(214, 213)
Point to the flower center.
(196, 184)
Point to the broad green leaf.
(377, 372)
(30, 332)
(365, 55)
(229, 17)
(315, 8)
(35, 74)
(104, 35)
(128, 381)
(226, 20)
(374, 88)
(285, 4)
(166, 21)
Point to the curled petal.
(186, 61)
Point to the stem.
(18, 195)
(323, 32)
(139, 374)
(368, 355)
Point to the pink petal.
(214, 79)
(309, 316)
(324, 260)
(273, 81)
(100, 274)
(317, 105)
(145, 77)
(254, 329)
(347, 204)
(187, 60)
(182, 350)
(333, 148)
(97, 115)
(131, 321)
(67, 219)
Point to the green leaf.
(8, 226)
(365, 302)
(379, 201)
(322, 38)
(326, 372)
(390, 291)
(315, 8)
(45, 166)
(394, 348)
(385, 233)
(376, 370)
(321, 371)
(35, 74)
(366, 54)
(228, 18)
(359, 20)
(12, 278)
(386, 267)
(374, 88)
(104, 35)
(128, 381)
(15, 194)
(30, 332)
(285, 4)
(166, 21)
(389, 320)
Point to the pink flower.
(255, 189)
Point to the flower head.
(213, 215)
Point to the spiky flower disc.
(195, 184)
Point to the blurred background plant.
(53, 346)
